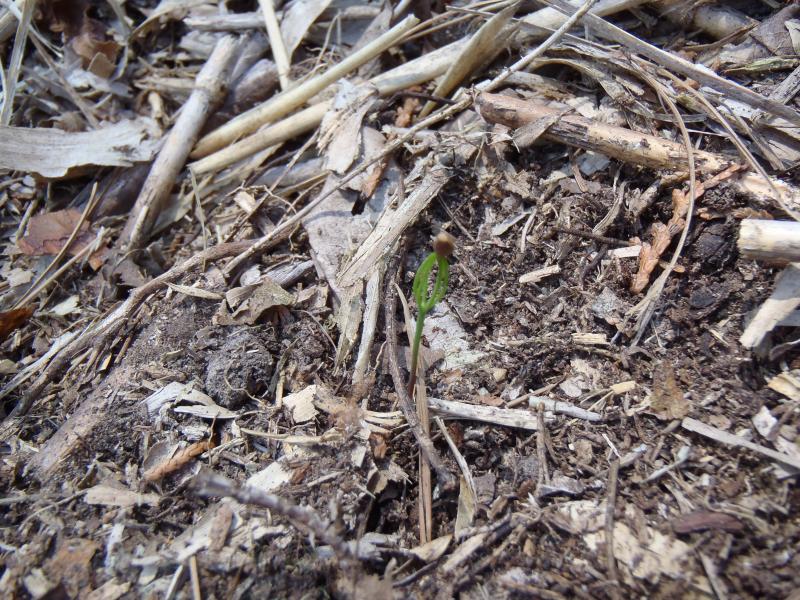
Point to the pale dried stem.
(279, 52)
(208, 92)
(284, 103)
(15, 63)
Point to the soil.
(526, 332)
(694, 517)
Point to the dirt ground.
(103, 480)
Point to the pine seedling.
(442, 249)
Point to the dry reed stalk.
(208, 92)
(284, 103)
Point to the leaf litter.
(200, 397)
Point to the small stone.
(499, 374)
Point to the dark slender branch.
(445, 477)
(207, 484)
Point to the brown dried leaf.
(251, 302)
(72, 564)
(374, 178)
(98, 54)
(13, 319)
(48, 232)
(405, 114)
(433, 550)
(220, 527)
(85, 36)
(667, 401)
(181, 458)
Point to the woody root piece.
(621, 143)
(770, 240)
(776, 241)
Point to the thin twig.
(209, 484)
(653, 294)
(611, 501)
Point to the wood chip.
(784, 299)
(539, 274)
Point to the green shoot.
(442, 248)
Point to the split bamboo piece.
(770, 240)
(289, 100)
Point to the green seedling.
(442, 249)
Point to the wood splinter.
(762, 239)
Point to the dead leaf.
(490, 400)
(405, 114)
(433, 549)
(667, 401)
(467, 505)
(48, 232)
(298, 16)
(251, 302)
(181, 458)
(220, 527)
(53, 153)
(72, 563)
(88, 38)
(114, 493)
(12, 320)
(340, 130)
